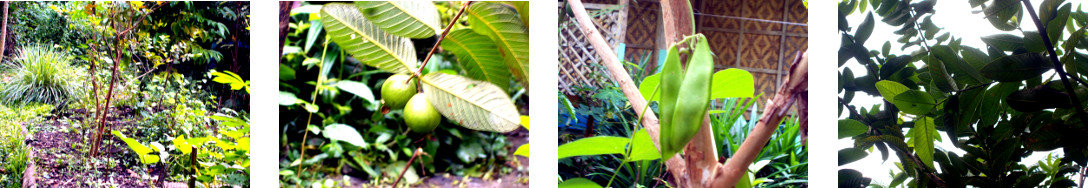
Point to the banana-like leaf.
(473, 104)
(366, 41)
(410, 19)
(478, 55)
(503, 25)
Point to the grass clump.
(42, 74)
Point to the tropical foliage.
(468, 61)
(604, 135)
(125, 94)
(1020, 93)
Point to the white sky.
(955, 17)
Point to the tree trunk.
(285, 20)
(4, 32)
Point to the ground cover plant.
(124, 94)
(404, 93)
(1017, 94)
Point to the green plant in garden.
(43, 74)
(14, 152)
(665, 87)
(460, 97)
(1020, 93)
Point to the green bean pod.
(688, 116)
(672, 76)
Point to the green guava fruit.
(396, 92)
(420, 116)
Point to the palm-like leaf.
(503, 25)
(472, 104)
(402, 18)
(478, 55)
(365, 41)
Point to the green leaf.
(597, 145)
(344, 133)
(502, 24)
(887, 47)
(975, 57)
(522, 150)
(1037, 98)
(181, 144)
(288, 99)
(1033, 42)
(1000, 13)
(359, 89)
(914, 102)
(893, 65)
(1004, 41)
(642, 148)
(579, 183)
(366, 41)
(889, 89)
(864, 30)
(731, 83)
(849, 155)
(850, 128)
(648, 86)
(923, 139)
(1016, 68)
(226, 77)
(410, 19)
(142, 151)
(472, 104)
(523, 10)
(478, 55)
(956, 65)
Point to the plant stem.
(436, 44)
(406, 166)
(617, 171)
(313, 99)
(1057, 64)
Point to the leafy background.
(955, 20)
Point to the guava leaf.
(479, 56)
(412, 19)
(367, 42)
(470, 103)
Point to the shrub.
(43, 75)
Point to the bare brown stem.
(439, 42)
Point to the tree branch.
(795, 83)
(1057, 64)
(610, 60)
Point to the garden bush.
(43, 74)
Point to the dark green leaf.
(1016, 68)
(1033, 42)
(1038, 98)
(1005, 42)
(864, 30)
(849, 155)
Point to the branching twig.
(1057, 64)
(437, 43)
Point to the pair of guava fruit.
(400, 93)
